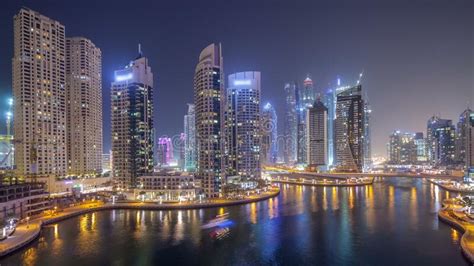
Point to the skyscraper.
(441, 141)
(291, 125)
(316, 133)
(132, 122)
(208, 96)
(269, 133)
(470, 148)
(190, 152)
(242, 126)
(165, 154)
(39, 80)
(330, 103)
(349, 129)
(367, 137)
(181, 150)
(84, 107)
(421, 152)
(304, 100)
(402, 148)
(462, 136)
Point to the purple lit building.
(165, 151)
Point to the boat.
(218, 220)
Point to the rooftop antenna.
(140, 50)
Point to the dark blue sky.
(417, 56)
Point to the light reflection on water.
(393, 222)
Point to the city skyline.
(385, 86)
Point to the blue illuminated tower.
(242, 126)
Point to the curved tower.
(208, 90)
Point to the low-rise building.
(23, 200)
(166, 187)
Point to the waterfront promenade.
(325, 183)
(454, 216)
(449, 186)
(28, 232)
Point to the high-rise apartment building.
(242, 126)
(208, 96)
(190, 148)
(269, 133)
(349, 129)
(462, 136)
(291, 125)
(316, 132)
(441, 141)
(39, 92)
(132, 122)
(421, 152)
(84, 107)
(402, 148)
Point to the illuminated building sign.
(242, 82)
(123, 77)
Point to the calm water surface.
(393, 222)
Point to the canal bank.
(323, 184)
(450, 188)
(27, 233)
(458, 221)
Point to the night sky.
(417, 56)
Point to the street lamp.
(28, 222)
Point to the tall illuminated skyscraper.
(316, 134)
(441, 141)
(462, 136)
(132, 122)
(242, 126)
(402, 148)
(291, 125)
(269, 133)
(304, 100)
(349, 129)
(84, 107)
(190, 147)
(330, 103)
(39, 92)
(208, 96)
(367, 137)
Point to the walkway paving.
(456, 218)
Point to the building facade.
(367, 137)
(84, 107)
(166, 187)
(317, 139)
(190, 147)
(402, 148)
(132, 122)
(242, 125)
(165, 153)
(349, 129)
(463, 136)
(291, 125)
(39, 92)
(23, 200)
(421, 152)
(269, 133)
(208, 97)
(441, 141)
